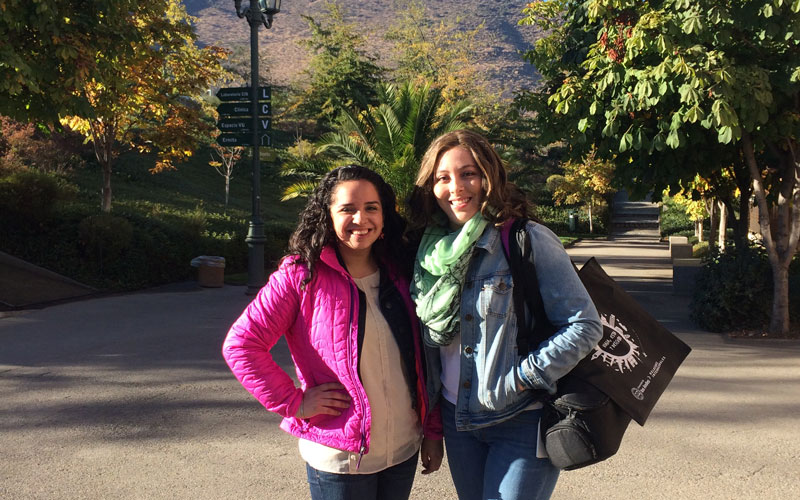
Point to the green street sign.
(231, 140)
(243, 94)
(243, 109)
(243, 124)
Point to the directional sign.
(243, 109)
(243, 124)
(243, 140)
(243, 94)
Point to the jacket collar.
(330, 257)
(490, 239)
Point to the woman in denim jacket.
(488, 392)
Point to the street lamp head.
(269, 7)
(261, 11)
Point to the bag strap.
(520, 256)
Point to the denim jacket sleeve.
(568, 307)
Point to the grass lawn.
(194, 184)
(570, 240)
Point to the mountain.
(502, 40)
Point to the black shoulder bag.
(580, 425)
(621, 379)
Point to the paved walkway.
(127, 397)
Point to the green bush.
(700, 249)
(32, 196)
(277, 242)
(674, 218)
(195, 222)
(104, 237)
(734, 291)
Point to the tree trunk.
(227, 191)
(106, 202)
(741, 226)
(591, 228)
(713, 223)
(698, 229)
(781, 243)
(779, 321)
(103, 142)
(723, 226)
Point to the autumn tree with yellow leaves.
(149, 98)
(586, 183)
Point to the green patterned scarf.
(439, 273)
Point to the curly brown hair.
(502, 200)
(315, 229)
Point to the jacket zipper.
(363, 447)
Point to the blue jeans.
(499, 461)
(393, 483)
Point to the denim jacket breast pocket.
(496, 301)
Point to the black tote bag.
(637, 357)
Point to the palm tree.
(391, 137)
(305, 166)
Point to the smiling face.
(357, 216)
(457, 186)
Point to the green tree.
(441, 54)
(150, 99)
(586, 183)
(340, 73)
(49, 50)
(305, 165)
(673, 88)
(389, 138)
(696, 209)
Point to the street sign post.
(243, 94)
(244, 109)
(243, 124)
(258, 12)
(246, 139)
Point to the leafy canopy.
(670, 84)
(49, 50)
(669, 89)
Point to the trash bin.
(210, 270)
(571, 221)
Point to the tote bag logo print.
(618, 349)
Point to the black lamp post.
(260, 11)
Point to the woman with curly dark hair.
(341, 300)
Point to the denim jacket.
(491, 367)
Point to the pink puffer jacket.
(320, 323)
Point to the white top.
(451, 368)
(395, 432)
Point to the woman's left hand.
(431, 454)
